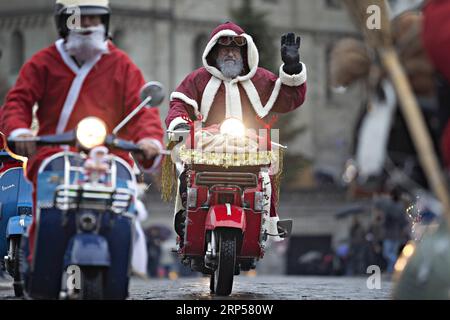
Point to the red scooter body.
(223, 200)
(227, 202)
(225, 216)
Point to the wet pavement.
(253, 288)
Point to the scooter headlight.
(88, 222)
(233, 127)
(91, 132)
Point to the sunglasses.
(240, 41)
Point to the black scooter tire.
(92, 283)
(224, 274)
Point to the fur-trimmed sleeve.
(17, 111)
(186, 99)
(292, 92)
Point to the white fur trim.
(142, 213)
(77, 84)
(233, 106)
(252, 55)
(158, 159)
(255, 100)
(185, 99)
(294, 80)
(270, 223)
(75, 3)
(17, 132)
(66, 57)
(213, 70)
(208, 96)
(273, 228)
(252, 58)
(176, 122)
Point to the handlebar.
(69, 138)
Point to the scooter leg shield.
(119, 238)
(50, 246)
(86, 249)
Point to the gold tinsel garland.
(226, 160)
(277, 177)
(168, 176)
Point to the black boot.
(284, 228)
(180, 224)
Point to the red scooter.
(227, 210)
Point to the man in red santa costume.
(231, 85)
(82, 74)
(436, 41)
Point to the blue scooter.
(84, 213)
(15, 218)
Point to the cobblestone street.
(254, 288)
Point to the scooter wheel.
(18, 290)
(224, 275)
(211, 283)
(17, 284)
(91, 284)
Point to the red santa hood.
(252, 56)
(199, 89)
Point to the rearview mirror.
(152, 91)
(152, 94)
(284, 228)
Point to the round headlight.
(88, 222)
(233, 127)
(91, 132)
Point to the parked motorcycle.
(84, 213)
(15, 217)
(227, 202)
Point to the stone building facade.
(166, 38)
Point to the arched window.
(17, 52)
(200, 43)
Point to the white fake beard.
(230, 68)
(85, 47)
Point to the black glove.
(182, 127)
(290, 54)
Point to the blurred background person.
(395, 226)
(140, 255)
(358, 247)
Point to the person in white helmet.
(82, 74)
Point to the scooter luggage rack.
(75, 197)
(241, 179)
(69, 196)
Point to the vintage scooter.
(15, 217)
(227, 207)
(85, 213)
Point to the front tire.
(224, 274)
(14, 270)
(92, 283)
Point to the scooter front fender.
(18, 225)
(88, 250)
(225, 215)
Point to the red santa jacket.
(106, 87)
(436, 41)
(207, 92)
